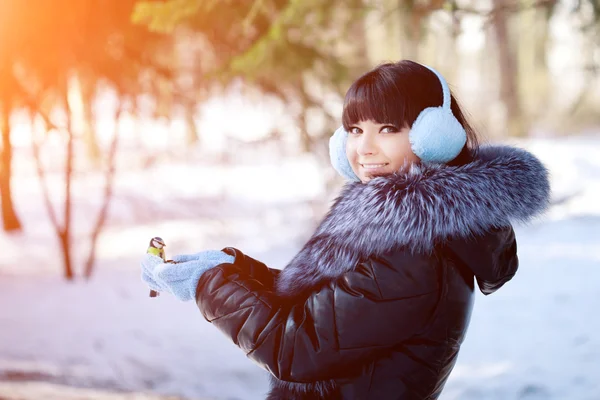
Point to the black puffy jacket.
(377, 303)
(389, 329)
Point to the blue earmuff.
(337, 154)
(436, 136)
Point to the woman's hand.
(180, 278)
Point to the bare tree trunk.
(66, 232)
(509, 92)
(410, 30)
(382, 30)
(42, 173)
(590, 74)
(9, 217)
(540, 59)
(63, 233)
(191, 131)
(534, 80)
(451, 59)
(108, 190)
(357, 37)
(306, 144)
(89, 130)
(137, 127)
(413, 15)
(81, 108)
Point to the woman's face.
(375, 149)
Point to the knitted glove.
(149, 264)
(181, 279)
(181, 258)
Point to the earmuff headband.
(445, 88)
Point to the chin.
(367, 178)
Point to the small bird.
(156, 248)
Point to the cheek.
(401, 151)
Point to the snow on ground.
(12, 390)
(535, 339)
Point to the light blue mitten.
(181, 279)
(149, 264)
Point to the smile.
(373, 166)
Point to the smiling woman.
(377, 303)
(375, 149)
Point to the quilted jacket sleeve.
(377, 305)
(492, 256)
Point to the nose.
(367, 145)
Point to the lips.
(373, 165)
(373, 170)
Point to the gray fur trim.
(419, 208)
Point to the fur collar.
(419, 208)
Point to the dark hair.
(396, 93)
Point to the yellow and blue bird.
(156, 248)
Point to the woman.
(377, 302)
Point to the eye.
(389, 129)
(355, 130)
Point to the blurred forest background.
(520, 67)
(93, 91)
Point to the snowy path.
(536, 339)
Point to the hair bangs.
(378, 98)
